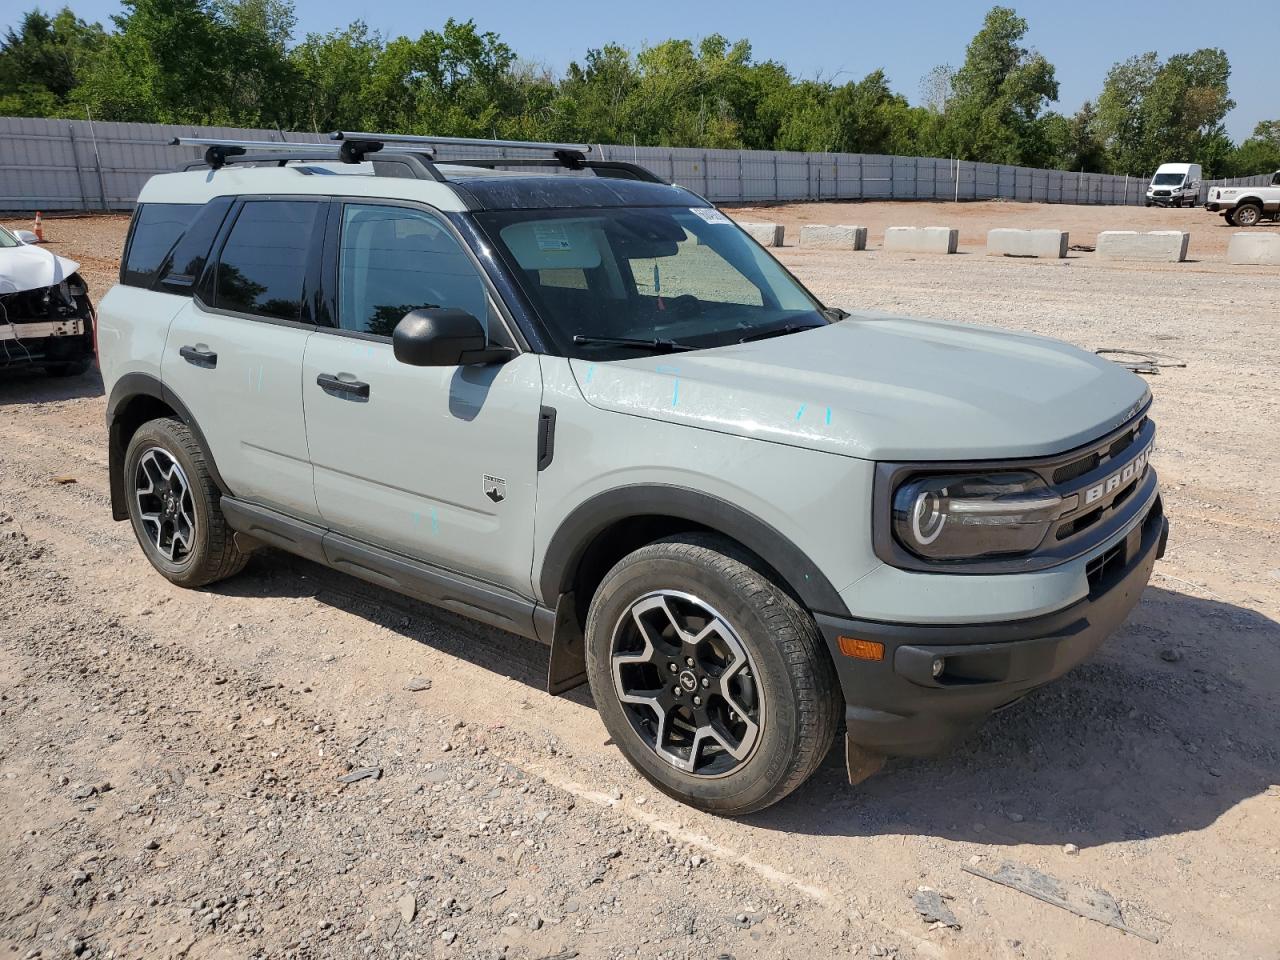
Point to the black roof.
(540, 191)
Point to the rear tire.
(174, 506)
(730, 722)
(1248, 215)
(1230, 217)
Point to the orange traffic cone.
(39, 230)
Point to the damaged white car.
(46, 317)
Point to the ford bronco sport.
(581, 405)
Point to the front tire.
(711, 679)
(173, 506)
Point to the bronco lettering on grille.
(1132, 470)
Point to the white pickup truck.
(1246, 206)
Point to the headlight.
(969, 516)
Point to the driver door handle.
(343, 389)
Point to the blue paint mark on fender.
(800, 412)
(435, 521)
(828, 416)
(591, 371)
(675, 392)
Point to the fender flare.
(126, 389)
(592, 517)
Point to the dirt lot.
(169, 759)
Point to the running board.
(476, 599)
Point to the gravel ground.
(171, 760)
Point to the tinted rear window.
(263, 266)
(183, 266)
(156, 228)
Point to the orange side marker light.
(861, 649)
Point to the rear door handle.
(198, 357)
(344, 389)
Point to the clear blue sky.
(845, 38)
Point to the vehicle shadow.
(1127, 746)
(272, 573)
(1172, 724)
(32, 385)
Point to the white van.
(1175, 185)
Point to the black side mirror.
(440, 337)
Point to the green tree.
(1073, 141)
(332, 71)
(999, 96)
(42, 61)
(193, 61)
(1260, 153)
(1151, 112)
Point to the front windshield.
(7, 239)
(1168, 179)
(685, 276)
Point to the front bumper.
(897, 705)
(44, 341)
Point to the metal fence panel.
(52, 164)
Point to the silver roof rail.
(582, 148)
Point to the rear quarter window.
(262, 269)
(156, 228)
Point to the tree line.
(236, 63)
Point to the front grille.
(1162, 193)
(1092, 460)
(1100, 467)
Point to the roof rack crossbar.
(582, 148)
(219, 152)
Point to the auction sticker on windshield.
(709, 215)
(551, 236)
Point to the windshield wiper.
(781, 331)
(656, 345)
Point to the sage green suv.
(575, 402)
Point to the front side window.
(156, 228)
(392, 260)
(684, 275)
(263, 266)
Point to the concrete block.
(921, 239)
(765, 234)
(1259, 248)
(1163, 246)
(1050, 244)
(818, 236)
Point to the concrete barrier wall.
(921, 239)
(1050, 244)
(74, 165)
(1164, 246)
(1254, 248)
(818, 236)
(765, 234)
